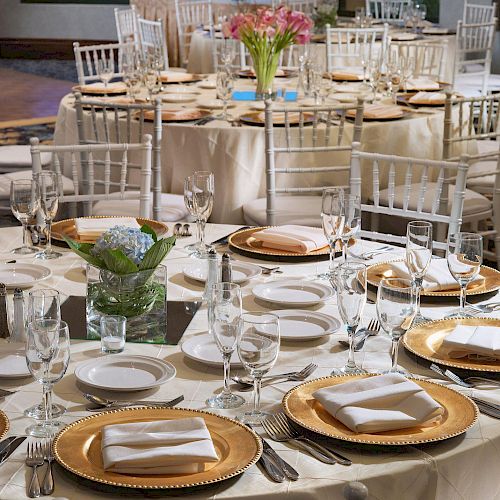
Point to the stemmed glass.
(352, 225)
(406, 66)
(225, 85)
(418, 257)
(333, 220)
(374, 75)
(199, 200)
(365, 57)
(351, 297)
(150, 80)
(105, 69)
(224, 317)
(258, 349)
(24, 203)
(48, 183)
(396, 307)
(394, 79)
(465, 256)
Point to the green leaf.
(148, 230)
(83, 250)
(157, 253)
(117, 262)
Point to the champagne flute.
(225, 85)
(333, 221)
(351, 297)
(224, 317)
(352, 226)
(105, 69)
(396, 308)
(465, 256)
(258, 349)
(374, 75)
(47, 357)
(48, 183)
(24, 203)
(150, 81)
(418, 257)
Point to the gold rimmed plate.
(77, 448)
(426, 340)
(67, 227)
(4, 424)
(460, 413)
(489, 283)
(257, 118)
(178, 115)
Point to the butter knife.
(274, 472)
(289, 471)
(4, 445)
(11, 448)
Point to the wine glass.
(258, 349)
(332, 219)
(199, 200)
(224, 317)
(105, 69)
(24, 203)
(225, 85)
(48, 183)
(396, 308)
(418, 257)
(394, 79)
(465, 256)
(150, 81)
(365, 57)
(407, 66)
(47, 357)
(374, 75)
(352, 225)
(351, 297)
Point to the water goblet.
(374, 75)
(24, 204)
(150, 81)
(465, 256)
(224, 319)
(225, 85)
(352, 221)
(418, 258)
(105, 70)
(396, 308)
(258, 348)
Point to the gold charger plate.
(460, 413)
(78, 448)
(67, 227)
(256, 118)
(491, 282)
(174, 77)
(426, 339)
(100, 91)
(178, 115)
(4, 424)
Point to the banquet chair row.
(478, 13)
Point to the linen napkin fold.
(475, 342)
(100, 88)
(91, 228)
(436, 98)
(292, 238)
(175, 76)
(378, 404)
(348, 74)
(280, 117)
(378, 111)
(160, 447)
(422, 84)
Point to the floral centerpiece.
(125, 277)
(266, 33)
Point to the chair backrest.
(306, 6)
(88, 56)
(319, 129)
(429, 59)
(126, 25)
(389, 10)
(417, 201)
(190, 14)
(478, 13)
(152, 36)
(68, 158)
(346, 46)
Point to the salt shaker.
(226, 268)
(4, 324)
(212, 273)
(18, 326)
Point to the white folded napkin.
(300, 239)
(475, 342)
(436, 98)
(422, 84)
(94, 227)
(99, 87)
(437, 278)
(378, 404)
(159, 447)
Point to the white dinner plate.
(178, 98)
(13, 362)
(119, 372)
(22, 275)
(240, 271)
(208, 84)
(182, 89)
(305, 325)
(202, 348)
(214, 104)
(293, 293)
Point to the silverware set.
(468, 382)
(362, 334)
(37, 453)
(368, 255)
(102, 404)
(475, 309)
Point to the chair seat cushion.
(16, 157)
(173, 208)
(300, 210)
(484, 184)
(5, 180)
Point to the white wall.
(71, 22)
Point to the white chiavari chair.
(191, 14)
(306, 6)
(327, 140)
(388, 10)
(152, 39)
(101, 122)
(127, 28)
(346, 46)
(99, 161)
(439, 202)
(429, 59)
(478, 13)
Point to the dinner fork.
(34, 459)
(360, 337)
(482, 308)
(371, 253)
(48, 480)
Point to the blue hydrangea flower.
(132, 242)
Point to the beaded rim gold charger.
(77, 448)
(460, 413)
(490, 283)
(426, 339)
(4, 424)
(256, 118)
(67, 227)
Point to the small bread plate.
(296, 324)
(20, 275)
(289, 293)
(202, 348)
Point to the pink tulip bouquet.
(265, 34)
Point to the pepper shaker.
(226, 275)
(18, 326)
(4, 324)
(212, 273)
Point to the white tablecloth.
(462, 468)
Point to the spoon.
(97, 400)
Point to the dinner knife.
(5, 444)
(225, 239)
(274, 472)
(289, 471)
(11, 448)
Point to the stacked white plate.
(202, 348)
(296, 324)
(293, 293)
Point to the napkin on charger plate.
(475, 342)
(100, 88)
(381, 403)
(422, 84)
(91, 228)
(435, 98)
(160, 447)
(299, 239)
(378, 111)
(348, 74)
(437, 278)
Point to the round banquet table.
(236, 155)
(464, 467)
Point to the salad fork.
(34, 459)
